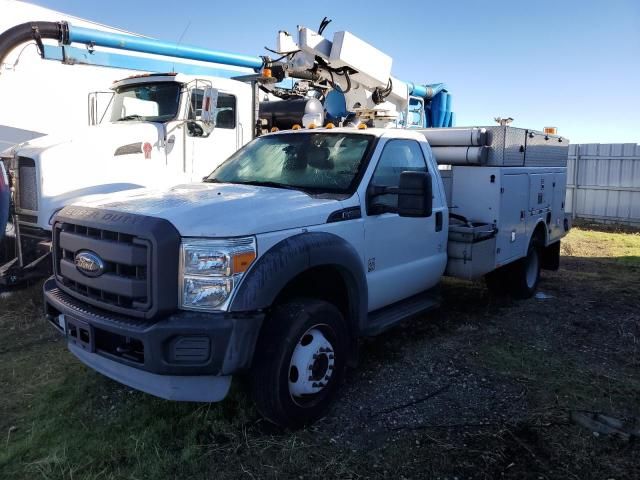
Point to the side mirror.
(194, 129)
(415, 194)
(209, 103)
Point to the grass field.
(483, 388)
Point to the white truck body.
(296, 246)
(23, 93)
(31, 107)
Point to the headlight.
(210, 269)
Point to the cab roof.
(147, 78)
(376, 132)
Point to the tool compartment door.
(557, 206)
(512, 235)
(541, 192)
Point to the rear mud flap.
(551, 257)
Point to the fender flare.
(294, 255)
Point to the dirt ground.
(484, 387)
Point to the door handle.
(438, 221)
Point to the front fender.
(295, 255)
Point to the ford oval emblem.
(89, 263)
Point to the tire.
(525, 273)
(302, 336)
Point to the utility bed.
(501, 184)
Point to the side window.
(225, 108)
(226, 111)
(398, 156)
(196, 104)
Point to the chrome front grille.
(123, 285)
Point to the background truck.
(154, 130)
(299, 244)
(75, 162)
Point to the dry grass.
(623, 246)
(482, 388)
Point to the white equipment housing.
(371, 67)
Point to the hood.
(225, 210)
(96, 161)
(103, 139)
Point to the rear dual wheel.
(519, 279)
(526, 273)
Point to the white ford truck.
(292, 249)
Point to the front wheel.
(299, 362)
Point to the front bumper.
(185, 356)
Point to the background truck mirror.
(209, 102)
(415, 195)
(98, 104)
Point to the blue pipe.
(82, 56)
(120, 41)
(447, 113)
(425, 91)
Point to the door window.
(225, 108)
(397, 156)
(226, 111)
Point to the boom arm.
(362, 74)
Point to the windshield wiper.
(130, 117)
(258, 183)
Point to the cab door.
(206, 152)
(404, 256)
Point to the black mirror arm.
(377, 190)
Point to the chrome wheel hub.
(312, 364)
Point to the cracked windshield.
(318, 162)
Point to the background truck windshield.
(151, 102)
(309, 161)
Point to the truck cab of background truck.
(289, 251)
(148, 131)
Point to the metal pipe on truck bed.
(461, 155)
(458, 137)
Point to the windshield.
(151, 102)
(318, 162)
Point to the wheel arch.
(540, 231)
(288, 269)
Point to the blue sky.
(565, 63)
